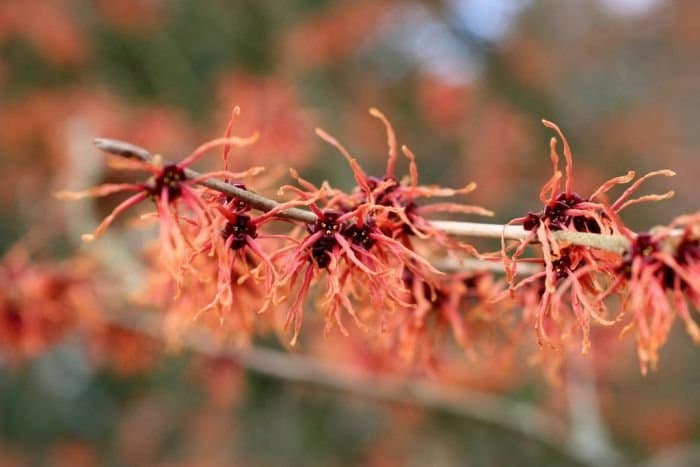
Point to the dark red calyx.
(562, 266)
(687, 252)
(328, 226)
(361, 235)
(241, 228)
(559, 219)
(170, 179)
(643, 246)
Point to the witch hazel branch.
(368, 255)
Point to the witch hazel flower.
(391, 206)
(575, 270)
(42, 301)
(567, 210)
(239, 255)
(658, 278)
(396, 198)
(362, 239)
(324, 249)
(170, 189)
(363, 268)
(233, 239)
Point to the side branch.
(615, 243)
(130, 151)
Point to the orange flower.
(658, 277)
(169, 188)
(577, 269)
(363, 240)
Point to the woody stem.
(615, 243)
(131, 151)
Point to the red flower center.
(556, 212)
(328, 225)
(170, 178)
(239, 229)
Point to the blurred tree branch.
(516, 417)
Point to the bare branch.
(128, 150)
(615, 243)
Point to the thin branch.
(452, 264)
(130, 151)
(615, 243)
(516, 417)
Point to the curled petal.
(569, 188)
(307, 185)
(98, 191)
(605, 187)
(391, 141)
(296, 311)
(215, 143)
(360, 175)
(235, 114)
(617, 205)
(132, 201)
(647, 198)
(351, 255)
(412, 166)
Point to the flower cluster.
(365, 255)
(658, 279)
(365, 248)
(653, 274)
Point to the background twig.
(516, 417)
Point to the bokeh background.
(465, 82)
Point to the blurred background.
(465, 83)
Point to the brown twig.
(615, 243)
(130, 151)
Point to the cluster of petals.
(363, 245)
(366, 247)
(364, 257)
(171, 191)
(658, 279)
(656, 276)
